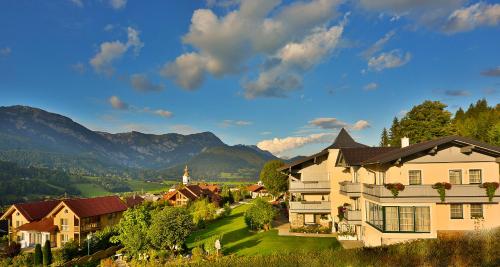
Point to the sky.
(283, 75)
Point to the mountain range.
(34, 137)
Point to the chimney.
(405, 141)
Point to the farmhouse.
(384, 195)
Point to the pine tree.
(384, 138)
(394, 133)
(38, 260)
(47, 254)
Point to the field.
(94, 190)
(238, 240)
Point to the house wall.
(14, 219)
(66, 213)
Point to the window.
(476, 211)
(475, 176)
(18, 223)
(456, 211)
(309, 218)
(381, 178)
(422, 219)
(392, 219)
(64, 239)
(415, 177)
(64, 224)
(375, 215)
(406, 219)
(455, 176)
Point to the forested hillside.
(431, 120)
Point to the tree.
(227, 196)
(169, 228)
(395, 133)
(426, 121)
(47, 254)
(38, 257)
(384, 138)
(260, 215)
(133, 229)
(202, 210)
(275, 181)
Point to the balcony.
(353, 217)
(350, 189)
(310, 206)
(90, 227)
(309, 186)
(459, 193)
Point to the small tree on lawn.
(260, 215)
(38, 260)
(133, 229)
(47, 254)
(203, 211)
(275, 181)
(227, 196)
(169, 228)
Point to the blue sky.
(285, 75)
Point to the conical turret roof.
(344, 140)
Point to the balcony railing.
(459, 193)
(310, 186)
(310, 206)
(350, 189)
(353, 216)
(90, 227)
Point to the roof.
(169, 195)
(212, 187)
(255, 188)
(343, 140)
(354, 156)
(44, 225)
(34, 211)
(89, 207)
(195, 189)
(184, 191)
(416, 148)
(133, 201)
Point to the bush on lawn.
(317, 229)
(260, 215)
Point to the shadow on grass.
(235, 235)
(247, 244)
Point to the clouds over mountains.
(290, 39)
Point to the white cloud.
(371, 86)
(117, 4)
(5, 51)
(163, 113)
(78, 67)
(334, 123)
(378, 45)
(280, 145)
(360, 125)
(388, 60)
(77, 3)
(229, 123)
(109, 27)
(116, 103)
(256, 29)
(111, 51)
(140, 82)
(471, 17)
(492, 72)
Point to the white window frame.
(421, 177)
(480, 172)
(482, 210)
(451, 213)
(461, 176)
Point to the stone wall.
(296, 220)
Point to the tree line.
(431, 120)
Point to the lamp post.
(89, 237)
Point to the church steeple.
(185, 178)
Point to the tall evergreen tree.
(47, 254)
(38, 260)
(384, 138)
(395, 133)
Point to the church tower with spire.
(185, 178)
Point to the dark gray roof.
(427, 145)
(344, 140)
(354, 156)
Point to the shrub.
(490, 187)
(197, 253)
(13, 250)
(38, 257)
(209, 244)
(69, 250)
(395, 188)
(312, 229)
(227, 209)
(260, 215)
(47, 254)
(441, 188)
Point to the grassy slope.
(237, 239)
(92, 190)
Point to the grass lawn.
(92, 190)
(239, 240)
(138, 186)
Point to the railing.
(76, 229)
(312, 186)
(310, 206)
(90, 227)
(458, 193)
(352, 215)
(350, 188)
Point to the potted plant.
(341, 211)
(395, 188)
(490, 187)
(441, 189)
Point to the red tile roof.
(255, 188)
(212, 187)
(44, 225)
(187, 193)
(169, 195)
(34, 211)
(133, 201)
(88, 207)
